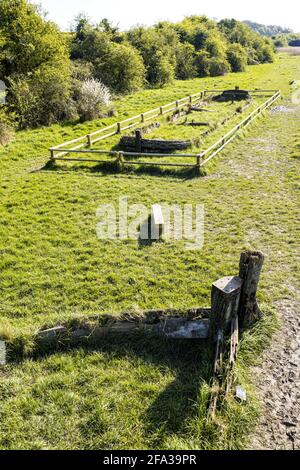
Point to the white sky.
(131, 12)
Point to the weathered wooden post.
(138, 140)
(119, 128)
(225, 300)
(251, 264)
(89, 138)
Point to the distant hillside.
(268, 30)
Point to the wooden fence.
(201, 159)
(233, 308)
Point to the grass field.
(139, 393)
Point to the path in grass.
(274, 155)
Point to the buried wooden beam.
(168, 327)
(251, 264)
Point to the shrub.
(218, 66)
(94, 100)
(122, 69)
(202, 63)
(160, 70)
(6, 128)
(237, 57)
(39, 100)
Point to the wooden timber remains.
(233, 307)
(138, 144)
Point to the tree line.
(53, 76)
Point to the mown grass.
(139, 393)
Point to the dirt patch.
(282, 109)
(278, 383)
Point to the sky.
(127, 13)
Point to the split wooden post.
(138, 140)
(251, 264)
(225, 300)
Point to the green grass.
(139, 393)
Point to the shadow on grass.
(189, 361)
(114, 167)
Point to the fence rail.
(118, 127)
(202, 158)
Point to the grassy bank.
(140, 393)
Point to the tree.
(159, 58)
(186, 61)
(30, 41)
(259, 49)
(35, 63)
(122, 69)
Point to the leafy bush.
(122, 69)
(218, 66)
(158, 55)
(93, 100)
(6, 128)
(39, 100)
(237, 57)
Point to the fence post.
(225, 299)
(138, 140)
(190, 99)
(198, 165)
(142, 118)
(161, 110)
(251, 264)
(118, 128)
(52, 155)
(89, 138)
